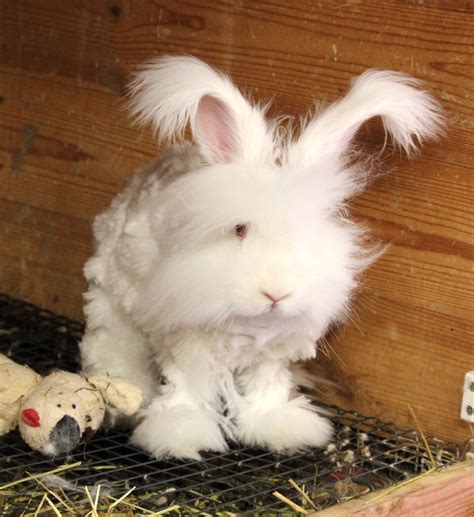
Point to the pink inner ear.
(214, 131)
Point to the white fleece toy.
(57, 412)
(224, 262)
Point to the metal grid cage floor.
(367, 454)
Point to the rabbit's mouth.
(264, 314)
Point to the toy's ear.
(173, 91)
(118, 393)
(409, 115)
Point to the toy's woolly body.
(222, 264)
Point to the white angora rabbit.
(223, 262)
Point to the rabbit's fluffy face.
(297, 245)
(257, 246)
(292, 242)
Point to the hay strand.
(53, 506)
(120, 499)
(303, 494)
(173, 508)
(422, 475)
(40, 505)
(434, 464)
(54, 494)
(41, 474)
(290, 503)
(93, 508)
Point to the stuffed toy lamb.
(224, 262)
(57, 412)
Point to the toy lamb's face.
(61, 412)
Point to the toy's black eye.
(88, 418)
(241, 231)
(59, 405)
(73, 406)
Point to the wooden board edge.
(427, 495)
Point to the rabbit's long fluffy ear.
(409, 115)
(174, 91)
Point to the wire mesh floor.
(367, 454)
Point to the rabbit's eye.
(88, 418)
(241, 231)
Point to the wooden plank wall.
(66, 147)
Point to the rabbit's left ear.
(118, 393)
(409, 115)
(172, 92)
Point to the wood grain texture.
(448, 492)
(66, 147)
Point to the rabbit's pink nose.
(274, 299)
(30, 416)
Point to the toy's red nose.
(30, 416)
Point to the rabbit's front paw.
(287, 428)
(180, 432)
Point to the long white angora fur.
(224, 262)
(167, 94)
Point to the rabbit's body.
(221, 265)
(207, 363)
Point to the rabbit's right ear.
(172, 92)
